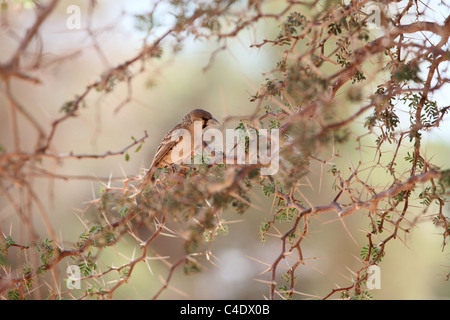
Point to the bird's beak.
(213, 122)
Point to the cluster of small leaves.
(109, 80)
(346, 29)
(273, 87)
(344, 56)
(443, 222)
(411, 159)
(13, 294)
(4, 246)
(139, 147)
(282, 214)
(221, 229)
(285, 288)
(6, 243)
(88, 265)
(191, 267)
(269, 189)
(362, 295)
(70, 106)
(304, 84)
(285, 214)
(46, 250)
(401, 196)
(439, 192)
(435, 192)
(374, 252)
(247, 129)
(205, 224)
(430, 113)
(384, 116)
(27, 4)
(264, 227)
(87, 235)
(377, 227)
(145, 22)
(406, 72)
(291, 27)
(192, 204)
(276, 121)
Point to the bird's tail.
(149, 177)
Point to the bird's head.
(201, 115)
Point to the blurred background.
(414, 267)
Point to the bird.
(177, 138)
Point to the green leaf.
(3, 261)
(138, 148)
(13, 295)
(9, 242)
(123, 211)
(269, 189)
(101, 190)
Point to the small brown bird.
(175, 139)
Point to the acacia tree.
(346, 71)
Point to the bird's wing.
(173, 137)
